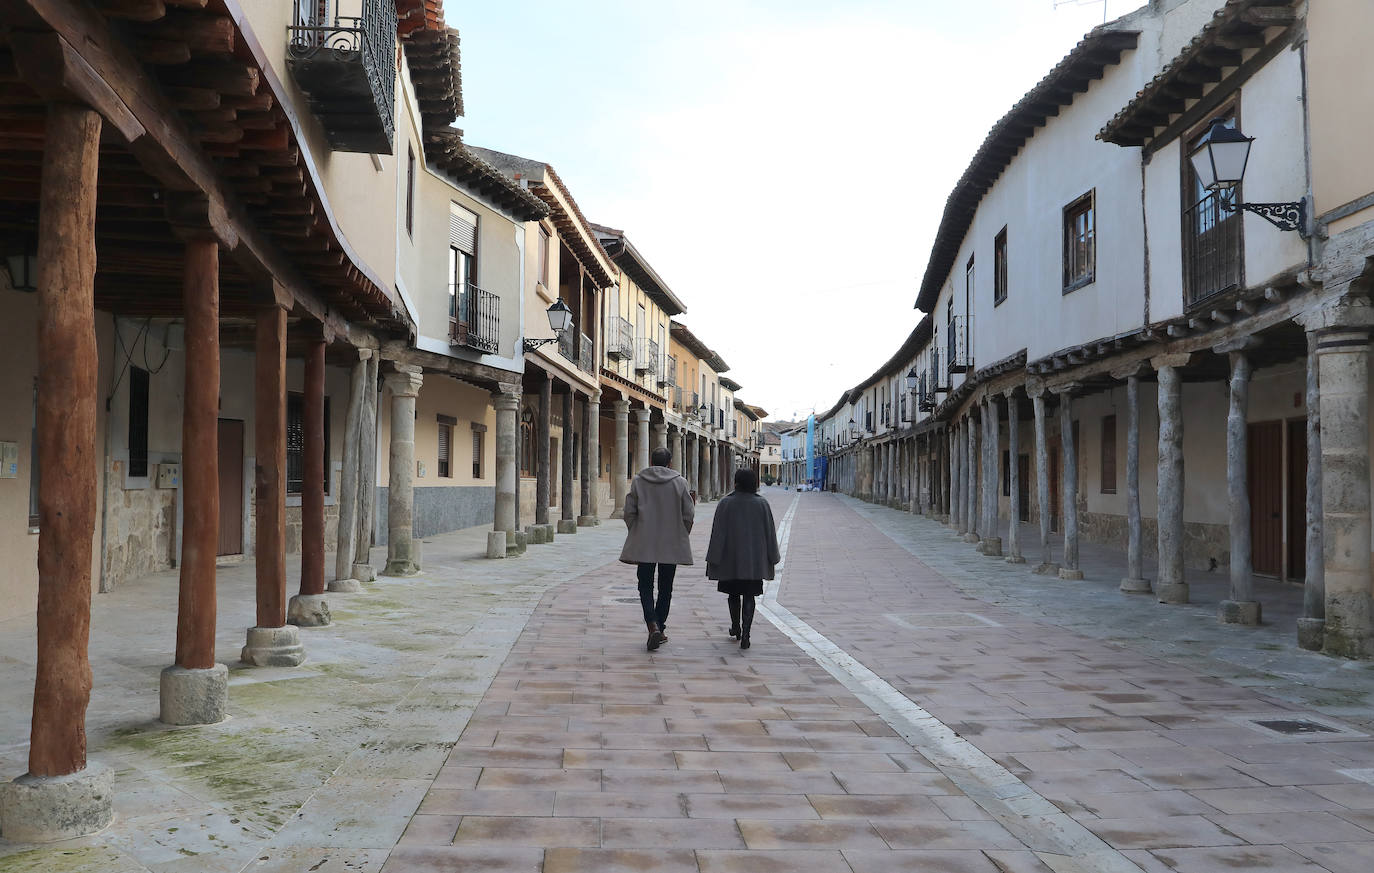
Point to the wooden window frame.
(410, 192)
(1085, 204)
(1107, 454)
(295, 406)
(545, 248)
(444, 460)
(999, 267)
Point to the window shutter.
(462, 229)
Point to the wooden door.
(1264, 470)
(1297, 498)
(1055, 464)
(1023, 485)
(230, 487)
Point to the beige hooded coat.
(659, 513)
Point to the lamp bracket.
(1284, 216)
(532, 344)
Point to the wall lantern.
(23, 268)
(853, 429)
(912, 379)
(560, 319)
(1219, 162)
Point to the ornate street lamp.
(912, 379)
(23, 267)
(560, 319)
(1219, 162)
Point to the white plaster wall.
(1271, 111)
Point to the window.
(410, 192)
(527, 442)
(1080, 243)
(138, 422)
(1109, 454)
(446, 423)
(543, 257)
(1006, 473)
(462, 268)
(999, 267)
(1213, 244)
(479, 433)
(295, 443)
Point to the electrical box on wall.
(168, 475)
(9, 460)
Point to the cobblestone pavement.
(907, 705)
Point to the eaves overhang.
(728, 383)
(1101, 48)
(1237, 31)
(689, 341)
(445, 150)
(637, 267)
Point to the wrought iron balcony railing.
(619, 339)
(646, 356)
(567, 344)
(475, 318)
(668, 376)
(346, 65)
(939, 382)
(586, 361)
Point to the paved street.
(907, 705)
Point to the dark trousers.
(656, 612)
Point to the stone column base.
(972, 538)
(194, 696)
(1310, 633)
(1070, 574)
(496, 544)
(364, 573)
(567, 526)
(308, 610)
(518, 545)
(401, 567)
(345, 586)
(620, 513)
(1015, 559)
(992, 547)
(44, 809)
(1046, 570)
(1246, 612)
(1175, 593)
(588, 521)
(1136, 586)
(273, 647)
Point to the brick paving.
(590, 754)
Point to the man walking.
(659, 514)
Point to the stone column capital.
(1238, 345)
(365, 354)
(1035, 388)
(1350, 310)
(1067, 389)
(506, 400)
(1173, 362)
(1135, 370)
(404, 380)
(621, 408)
(642, 413)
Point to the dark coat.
(744, 540)
(659, 513)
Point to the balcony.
(586, 361)
(1212, 248)
(959, 356)
(474, 319)
(646, 357)
(925, 397)
(567, 345)
(619, 339)
(668, 375)
(346, 65)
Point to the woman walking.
(743, 550)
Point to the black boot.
(732, 600)
(748, 620)
(656, 636)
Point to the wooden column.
(312, 471)
(1014, 555)
(269, 474)
(67, 368)
(199, 458)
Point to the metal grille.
(619, 339)
(1211, 247)
(585, 361)
(479, 323)
(646, 361)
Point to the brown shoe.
(656, 636)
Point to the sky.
(783, 164)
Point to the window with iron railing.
(474, 318)
(342, 54)
(585, 357)
(619, 339)
(646, 356)
(1212, 247)
(956, 341)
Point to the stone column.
(703, 461)
(1046, 567)
(543, 488)
(642, 415)
(502, 541)
(620, 483)
(591, 460)
(62, 796)
(343, 580)
(660, 429)
(567, 517)
(957, 479)
(367, 478)
(1014, 555)
(1311, 626)
(1135, 581)
(1241, 607)
(272, 642)
(715, 470)
(402, 554)
(1343, 358)
(1069, 478)
(992, 542)
(680, 452)
(972, 502)
(195, 689)
(309, 608)
(1172, 587)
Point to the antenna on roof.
(1058, 3)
